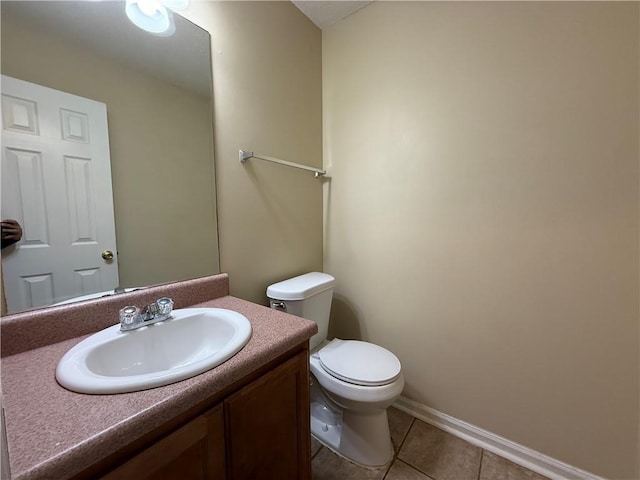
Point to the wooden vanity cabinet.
(193, 452)
(267, 425)
(259, 432)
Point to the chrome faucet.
(131, 318)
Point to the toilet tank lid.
(301, 287)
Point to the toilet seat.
(359, 363)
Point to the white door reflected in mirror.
(56, 182)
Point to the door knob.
(107, 255)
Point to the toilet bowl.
(352, 382)
(362, 394)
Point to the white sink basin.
(192, 341)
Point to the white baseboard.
(523, 456)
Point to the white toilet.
(353, 382)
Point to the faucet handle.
(129, 316)
(165, 305)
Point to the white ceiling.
(326, 13)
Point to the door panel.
(56, 181)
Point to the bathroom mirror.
(157, 93)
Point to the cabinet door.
(267, 424)
(193, 452)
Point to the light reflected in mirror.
(159, 147)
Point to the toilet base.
(363, 438)
(329, 435)
(326, 422)
(350, 419)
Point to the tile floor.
(423, 452)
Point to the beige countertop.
(56, 433)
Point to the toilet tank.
(307, 296)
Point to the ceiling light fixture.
(153, 15)
(175, 5)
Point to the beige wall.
(482, 215)
(267, 96)
(161, 154)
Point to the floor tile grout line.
(397, 455)
(482, 453)
(317, 452)
(397, 452)
(394, 457)
(416, 469)
(391, 464)
(480, 466)
(393, 460)
(404, 438)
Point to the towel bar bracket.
(244, 156)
